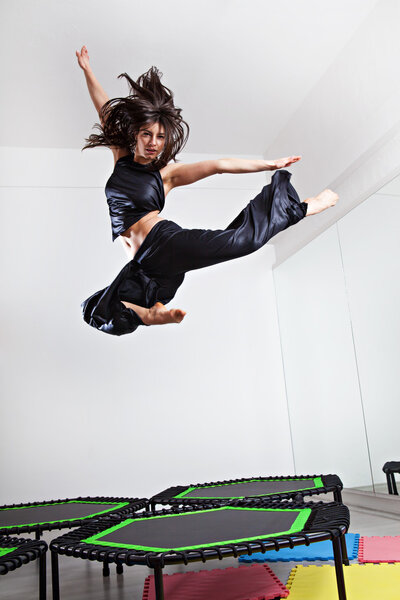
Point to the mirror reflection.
(371, 264)
(338, 303)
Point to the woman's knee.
(245, 246)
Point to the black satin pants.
(169, 251)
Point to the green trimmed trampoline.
(62, 514)
(273, 488)
(182, 535)
(16, 552)
(59, 514)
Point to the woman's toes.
(177, 314)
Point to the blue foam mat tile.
(317, 551)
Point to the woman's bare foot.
(159, 315)
(322, 201)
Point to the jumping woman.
(145, 132)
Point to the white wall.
(86, 413)
(347, 129)
(338, 302)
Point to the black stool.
(390, 468)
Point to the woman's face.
(150, 142)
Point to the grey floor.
(83, 580)
(380, 488)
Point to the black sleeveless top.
(132, 191)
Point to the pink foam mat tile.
(255, 582)
(375, 549)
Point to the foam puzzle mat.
(363, 582)
(317, 551)
(255, 582)
(376, 549)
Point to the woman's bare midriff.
(134, 237)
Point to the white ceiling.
(238, 69)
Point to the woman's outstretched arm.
(97, 94)
(181, 174)
(244, 165)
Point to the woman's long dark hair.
(149, 101)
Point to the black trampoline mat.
(54, 512)
(200, 529)
(250, 488)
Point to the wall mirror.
(338, 302)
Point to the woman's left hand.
(281, 163)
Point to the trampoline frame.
(25, 551)
(328, 521)
(331, 483)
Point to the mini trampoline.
(15, 552)
(184, 535)
(273, 488)
(59, 514)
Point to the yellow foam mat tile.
(363, 582)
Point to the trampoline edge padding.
(15, 552)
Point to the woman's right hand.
(281, 163)
(83, 58)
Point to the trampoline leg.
(337, 553)
(394, 486)
(37, 534)
(42, 577)
(158, 582)
(337, 496)
(120, 569)
(106, 569)
(55, 583)
(389, 483)
(344, 549)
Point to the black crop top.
(132, 191)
